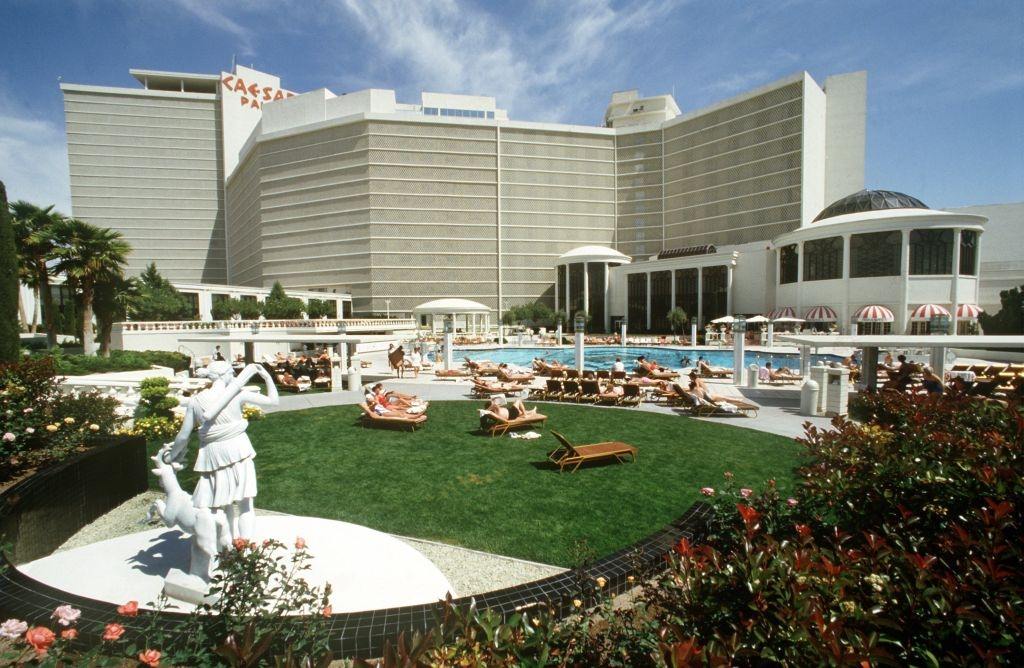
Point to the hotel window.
(430, 111)
(716, 292)
(789, 264)
(823, 259)
(686, 291)
(560, 296)
(876, 254)
(575, 289)
(874, 328)
(595, 279)
(636, 302)
(931, 252)
(661, 300)
(969, 253)
(193, 301)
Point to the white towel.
(527, 435)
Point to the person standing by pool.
(618, 366)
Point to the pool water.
(601, 357)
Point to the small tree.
(158, 299)
(677, 319)
(1010, 319)
(280, 306)
(10, 341)
(154, 400)
(249, 309)
(225, 309)
(115, 296)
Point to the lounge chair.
(573, 456)
(706, 408)
(552, 390)
(619, 376)
(713, 372)
(630, 395)
(500, 427)
(482, 388)
(453, 373)
(571, 390)
(590, 391)
(506, 377)
(295, 385)
(410, 422)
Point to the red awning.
(821, 314)
(874, 313)
(926, 312)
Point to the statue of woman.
(227, 476)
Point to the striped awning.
(926, 312)
(821, 314)
(968, 311)
(782, 312)
(873, 313)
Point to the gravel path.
(468, 571)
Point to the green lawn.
(447, 483)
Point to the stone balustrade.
(348, 325)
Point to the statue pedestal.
(187, 587)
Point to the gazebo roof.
(451, 305)
(594, 254)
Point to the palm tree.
(114, 297)
(32, 226)
(88, 255)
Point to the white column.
(449, 340)
(205, 305)
(799, 306)
(771, 335)
(901, 317)
(586, 289)
(955, 286)
(737, 357)
(844, 312)
(728, 289)
(700, 297)
(648, 301)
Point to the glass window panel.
(876, 254)
(716, 297)
(661, 301)
(823, 259)
(595, 280)
(560, 299)
(931, 252)
(575, 288)
(637, 302)
(686, 291)
(969, 253)
(789, 264)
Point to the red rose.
(129, 609)
(40, 638)
(240, 544)
(328, 611)
(113, 631)
(150, 657)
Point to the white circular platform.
(367, 569)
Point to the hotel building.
(231, 179)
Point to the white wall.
(814, 138)
(753, 291)
(238, 113)
(845, 134)
(1001, 251)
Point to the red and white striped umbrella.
(874, 313)
(968, 311)
(782, 312)
(821, 314)
(926, 312)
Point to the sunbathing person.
(394, 399)
(783, 373)
(708, 370)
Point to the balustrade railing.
(350, 324)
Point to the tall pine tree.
(10, 341)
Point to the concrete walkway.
(779, 412)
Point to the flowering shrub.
(265, 614)
(39, 424)
(153, 398)
(154, 428)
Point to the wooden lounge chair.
(482, 388)
(619, 376)
(630, 395)
(453, 373)
(410, 422)
(708, 409)
(573, 456)
(712, 372)
(500, 427)
(590, 391)
(571, 390)
(553, 389)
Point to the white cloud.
(209, 13)
(559, 56)
(33, 159)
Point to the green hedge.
(119, 360)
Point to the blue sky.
(945, 79)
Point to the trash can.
(355, 378)
(809, 398)
(752, 372)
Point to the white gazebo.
(474, 316)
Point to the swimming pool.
(601, 357)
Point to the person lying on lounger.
(394, 400)
(500, 409)
(706, 369)
(783, 373)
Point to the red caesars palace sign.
(251, 95)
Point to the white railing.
(348, 325)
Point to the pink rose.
(129, 609)
(791, 502)
(69, 634)
(66, 615)
(112, 632)
(8, 437)
(707, 491)
(150, 657)
(40, 638)
(746, 492)
(300, 543)
(13, 628)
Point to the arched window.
(823, 259)
(931, 252)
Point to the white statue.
(222, 503)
